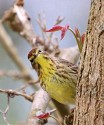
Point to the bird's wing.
(68, 64)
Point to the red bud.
(43, 116)
(55, 28)
(83, 37)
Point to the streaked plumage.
(57, 76)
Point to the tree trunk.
(90, 88)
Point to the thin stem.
(79, 45)
(55, 119)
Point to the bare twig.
(13, 74)
(4, 113)
(13, 92)
(59, 20)
(42, 23)
(27, 85)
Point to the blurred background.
(76, 14)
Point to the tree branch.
(40, 103)
(13, 74)
(13, 93)
(11, 50)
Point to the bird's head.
(36, 56)
(33, 55)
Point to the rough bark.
(90, 88)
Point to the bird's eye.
(39, 51)
(31, 60)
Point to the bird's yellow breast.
(58, 88)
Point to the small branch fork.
(10, 94)
(4, 113)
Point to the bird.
(57, 76)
